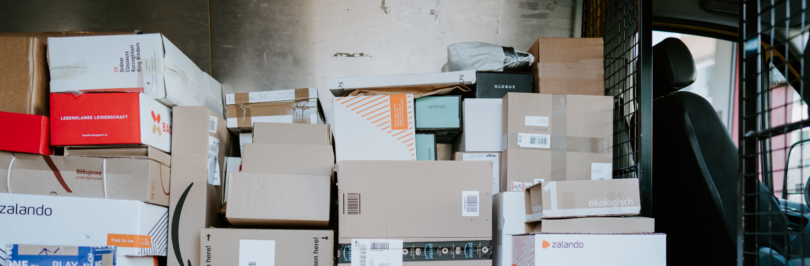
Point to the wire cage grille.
(774, 135)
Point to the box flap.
(343, 86)
(120, 151)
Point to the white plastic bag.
(486, 57)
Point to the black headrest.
(673, 67)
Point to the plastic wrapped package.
(487, 57)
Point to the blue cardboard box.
(40, 255)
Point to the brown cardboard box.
(594, 225)
(278, 200)
(195, 202)
(288, 159)
(43, 36)
(284, 133)
(123, 179)
(585, 198)
(556, 138)
(24, 72)
(568, 66)
(242, 116)
(444, 151)
(123, 151)
(289, 247)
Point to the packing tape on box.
(433, 251)
(69, 71)
(175, 71)
(585, 69)
(244, 97)
(300, 111)
(57, 174)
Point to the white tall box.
(145, 63)
(509, 215)
(376, 127)
(483, 125)
(137, 228)
(589, 249)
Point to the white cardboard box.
(589, 249)
(244, 137)
(341, 86)
(137, 228)
(377, 127)
(483, 125)
(147, 63)
(232, 165)
(509, 214)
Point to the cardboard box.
(232, 165)
(444, 151)
(58, 255)
(123, 179)
(137, 228)
(343, 86)
(31, 133)
(144, 63)
(281, 133)
(374, 127)
(438, 113)
(266, 247)
(494, 157)
(196, 162)
(110, 118)
(483, 125)
(509, 218)
(556, 137)
(594, 225)
(24, 64)
(43, 36)
(589, 249)
(568, 66)
(241, 117)
(271, 96)
(278, 200)
(123, 151)
(427, 252)
(561, 199)
(244, 138)
(377, 200)
(425, 147)
(497, 84)
(288, 159)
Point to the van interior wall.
(255, 45)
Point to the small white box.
(589, 249)
(509, 215)
(341, 86)
(483, 125)
(146, 63)
(244, 137)
(137, 228)
(376, 127)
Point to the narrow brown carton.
(198, 153)
(568, 66)
(587, 198)
(288, 159)
(119, 178)
(24, 72)
(594, 225)
(266, 247)
(123, 151)
(556, 138)
(286, 133)
(278, 200)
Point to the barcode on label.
(353, 204)
(469, 203)
(363, 250)
(379, 246)
(251, 264)
(212, 124)
(534, 140)
(538, 140)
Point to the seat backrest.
(695, 166)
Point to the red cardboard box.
(109, 118)
(24, 133)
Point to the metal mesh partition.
(774, 147)
(626, 32)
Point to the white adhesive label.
(601, 171)
(537, 121)
(212, 124)
(493, 157)
(313, 118)
(213, 161)
(376, 252)
(469, 203)
(257, 252)
(527, 140)
(244, 138)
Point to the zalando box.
(266, 247)
(379, 127)
(561, 199)
(589, 249)
(110, 118)
(137, 228)
(145, 63)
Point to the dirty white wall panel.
(272, 45)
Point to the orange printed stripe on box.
(129, 241)
(399, 119)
